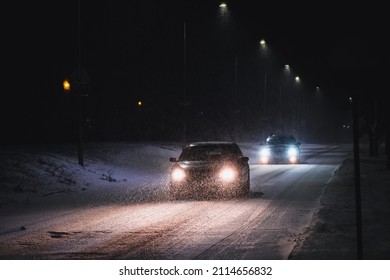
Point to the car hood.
(195, 165)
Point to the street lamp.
(224, 13)
(223, 6)
(66, 86)
(223, 9)
(263, 44)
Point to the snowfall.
(37, 177)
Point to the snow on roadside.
(51, 174)
(332, 234)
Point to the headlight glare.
(292, 152)
(227, 174)
(265, 154)
(178, 174)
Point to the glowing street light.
(297, 79)
(139, 105)
(224, 10)
(66, 86)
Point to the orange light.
(66, 85)
(139, 103)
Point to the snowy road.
(265, 225)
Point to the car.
(209, 169)
(280, 149)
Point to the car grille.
(199, 175)
(278, 150)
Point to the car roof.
(281, 136)
(205, 143)
(281, 140)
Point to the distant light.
(287, 67)
(66, 85)
(223, 5)
(263, 47)
(297, 79)
(224, 14)
(139, 103)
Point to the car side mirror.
(172, 159)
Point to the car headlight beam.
(265, 155)
(178, 174)
(228, 174)
(292, 154)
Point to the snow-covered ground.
(51, 175)
(332, 234)
(47, 176)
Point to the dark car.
(280, 149)
(210, 169)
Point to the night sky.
(134, 50)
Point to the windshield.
(210, 152)
(281, 140)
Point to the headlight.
(178, 174)
(228, 174)
(265, 154)
(292, 154)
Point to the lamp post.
(235, 110)
(81, 132)
(224, 16)
(264, 49)
(286, 73)
(297, 81)
(184, 82)
(356, 153)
